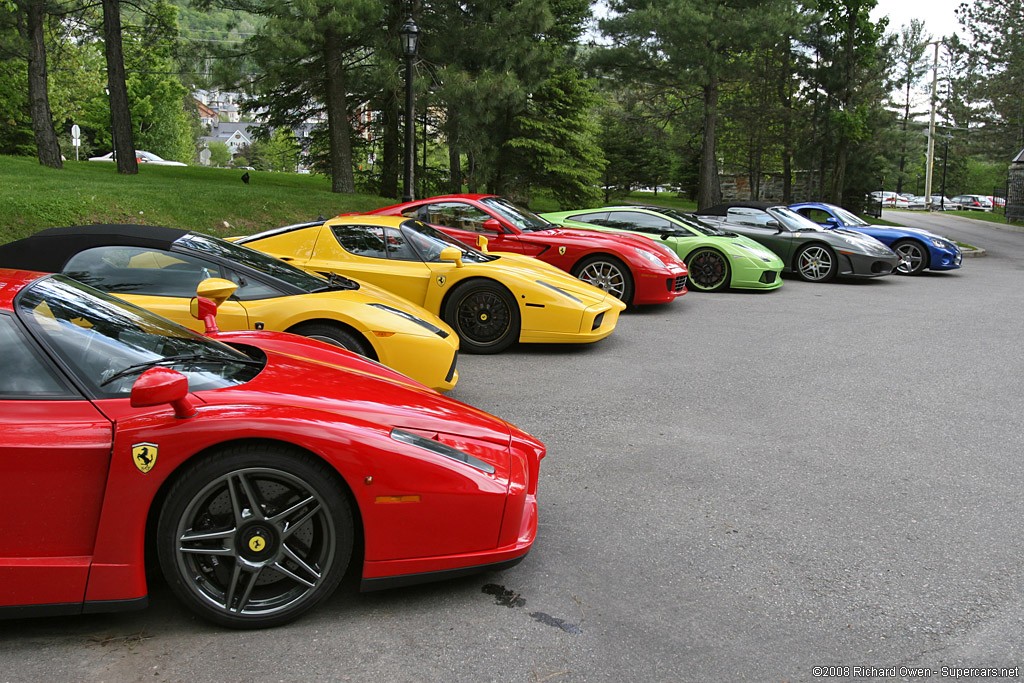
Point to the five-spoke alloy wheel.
(255, 536)
(912, 257)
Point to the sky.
(938, 15)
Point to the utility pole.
(931, 128)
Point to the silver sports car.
(815, 254)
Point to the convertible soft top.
(723, 209)
(47, 251)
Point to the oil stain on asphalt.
(510, 598)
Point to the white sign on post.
(76, 138)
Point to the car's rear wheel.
(607, 273)
(709, 270)
(816, 263)
(334, 334)
(913, 258)
(255, 536)
(484, 315)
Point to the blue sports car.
(917, 249)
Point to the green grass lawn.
(210, 200)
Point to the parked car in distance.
(254, 468)
(142, 157)
(917, 249)
(812, 252)
(889, 200)
(973, 202)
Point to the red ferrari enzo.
(257, 464)
(634, 268)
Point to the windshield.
(847, 218)
(100, 338)
(524, 219)
(257, 260)
(691, 222)
(793, 221)
(428, 243)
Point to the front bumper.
(865, 265)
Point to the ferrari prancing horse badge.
(561, 251)
(144, 455)
(441, 279)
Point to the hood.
(858, 240)
(306, 374)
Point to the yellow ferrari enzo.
(491, 300)
(159, 269)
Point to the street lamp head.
(410, 36)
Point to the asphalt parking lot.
(739, 487)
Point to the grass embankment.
(210, 200)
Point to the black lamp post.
(410, 35)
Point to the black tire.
(256, 536)
(484, 314)
(816, 263)
(607, 273)
(709, 270)
(336, 335)
(913, 257)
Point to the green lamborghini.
(716, 259)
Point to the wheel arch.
(476, 279)
(157, 502)
(334, 322)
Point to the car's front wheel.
(484, 315)
(816, 263)
(913, 258)
(254, 536)
(607, 273)
(709, 270)
(334, 335)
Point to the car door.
(155, 279)
(54, 460)
(376, 254)
(761, 227)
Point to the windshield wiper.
(336, 282)
(138, 368)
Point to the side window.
(745, 216)
(816, 215)
(361, 240)
(136, 270)
(631, 219)
(397, 246)
(458, 216)
(23, 374)
(598, 218)
(249, 289)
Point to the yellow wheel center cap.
(257, 543)
(483, 317)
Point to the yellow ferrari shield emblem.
(441, 279)
(257, 543)
(144, 455)
(561, 251)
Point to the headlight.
(559, 290)
(411, 318)
(650, 257)
(439, 448)
(942, 244)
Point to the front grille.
(880, 267)
(676, 284)
(598, 319)
(451, 370)
(768, 277)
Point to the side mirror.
(158, 386)
(774, 224)
(832, 222)
(492, 225)
(481, 243)
(210, 294)
(451, 254)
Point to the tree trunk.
(120, 114)
(786, 99)
(339, 129)
(709, 188)
(454, 168)
(47, 148)
(472, 185)
(391, 146)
